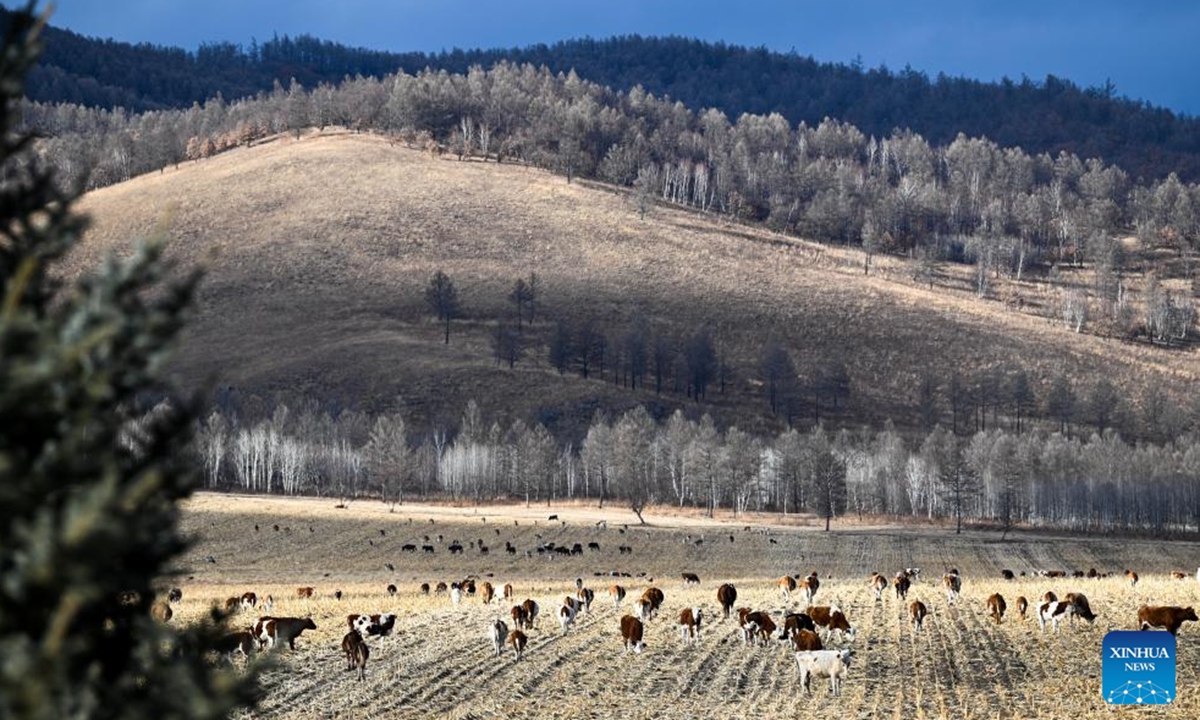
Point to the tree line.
(995, 477)
(1047, 116)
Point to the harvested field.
(439, 662)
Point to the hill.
(1051, 115)
(319, 251)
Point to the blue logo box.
(1139, 667)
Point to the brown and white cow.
(519, 617)
(1053, 612)
(808, 587)
(631, 633)
(380, 625)
(832, 619)
(1049, 596)
(787, 585)
(239, 642)
(689, 625)
(517, 641)
(357, 653)
(878, 583)
(486, 592)
(952, 581)
(655, 597)
(585, 596)
(917, 612)
(996, 607)
(271, 632)
(249, 601)
(1170, 617)
(758, 625)
(1081, 608)
(726, 596)
(1022, 606)
(690, 579)
(531, 612)
(644, 609)
(901, 583)
(1132, 577)
(617, 593)
(567, 612)
(794, 623)
(498, 633)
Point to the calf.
(878, 583)
(691, 579)
(270, 631)
(1022, 606)
(996, 607)
(952, 581)
(901, 583)
(357, 653)
(531, 612)
(486, 592)
(832, 664)
(498, 632)
(239, 642)
(631, 633)
(689, 625)
(1178, 575)
(726, 596)
(617, 593)
(917, 612)
(1170, 617)
(517, 641)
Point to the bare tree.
(442, 298)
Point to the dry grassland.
(439, 663)
(323, 246)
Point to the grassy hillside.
(319, 250)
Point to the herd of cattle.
(806, 633)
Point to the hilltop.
(319, 250)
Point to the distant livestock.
(271, 632)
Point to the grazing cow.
(566, 614)
(691, 579)
(440, 588)
(763, 627)
(391, 590)
(486, 592)
(1022, 606)
(531, 612)
(952, 581)
(517, 641)
(644, 609)
(1049, 596)
(424, 588)
(655, 596)
(901, 583)
(1007, 574)
(428, 549)
(1132, 577)
(689, 625)
(357, 653)
(498, 632)
(585, 597)
(305, 593)
(806, 640)
(372, 625)
(249, 601)
(631, 633)
(625, 550)
(617, 593)
(176, 595)
(239, 642)
(508, 591)
(455, 548)
(232, 604)
(1170, 617)
(878, 583)
(832, 664)
(1053, 612)
(520, 618)
(271, 631)
(917, 612)
(794, 623)
(408, 548)
(1080, 607)
(787, 584)
(832, 619)
(727, 596)
(467, 586)
(161, 611)
(996, 607)
(1178, 575)
(808, 587)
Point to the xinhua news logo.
(1139, 667)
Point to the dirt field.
(438, 663)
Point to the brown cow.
(357, 653)
(508, 591)
(803, 640)
(901, 583)
(486, 592)
(272, 631)
(952, 581)
(794, 623)
(1022, 606)
(233, 643)
(305, 592)
(232, 604)
(517, 640)
(1008, 574)
(1080, 607)
(996, 607)
(917, 612)
(1178, 575)
(631, 633)
(161, 611)
(878, 583)
(531, 612)
(520, 618)
(760, 625)
(787, 584)
(1170, 617)
(727, 596)
(689, 625)
(617, 593)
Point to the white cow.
(832, 664)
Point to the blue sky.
(1148, 49)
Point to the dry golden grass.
(325, 244)
(438, 663)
